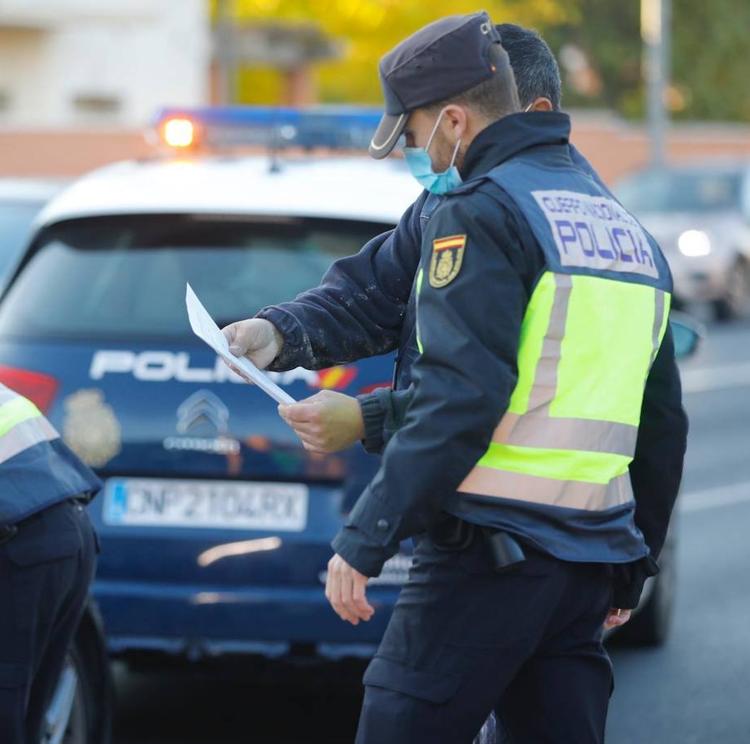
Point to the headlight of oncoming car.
(694, 243)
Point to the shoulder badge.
(446, 260)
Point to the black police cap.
(441, 60)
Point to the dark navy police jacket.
(365, 306)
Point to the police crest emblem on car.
(90, 427)
(446, 260)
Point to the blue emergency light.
(330, 127)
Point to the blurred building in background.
(84, 63)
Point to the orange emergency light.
(179, 132)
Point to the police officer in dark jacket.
(365, 306)
(514, 454)
(47, 559)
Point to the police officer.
(365, 306)
(523, 427)
(47, 559)
(524, 418)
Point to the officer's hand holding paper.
(254, 338)
(205, 328)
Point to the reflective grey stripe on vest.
(545, 376)
(539, 429)
(24, 435)
(658, 322)
(7, 395)
(534, 489)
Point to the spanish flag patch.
(447, 257)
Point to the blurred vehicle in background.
(20, 201)
(215, 522)
(700, 215)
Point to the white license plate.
(213, 504)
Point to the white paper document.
(204, 327)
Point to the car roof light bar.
(222, 127)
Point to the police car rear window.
(124, 278)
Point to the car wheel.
(66, 721)
(736, 301)
(80, 710)
(489, 733)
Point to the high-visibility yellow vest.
(569, 434)
(37, 469)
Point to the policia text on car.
(47, 560)
(524, 427)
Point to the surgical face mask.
(420, 165)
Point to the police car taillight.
(39, 388)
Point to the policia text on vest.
(47, 559)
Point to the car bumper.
(200, 622)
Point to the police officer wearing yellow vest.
(365, 305)
(47, 559)
(541, 307)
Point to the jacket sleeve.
(383, 413)
(464, 377)
(656, 469)
(359, 307)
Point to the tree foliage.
(709, 47)
(369, 28)
(709, 59)
(708, 55)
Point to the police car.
(215, 523)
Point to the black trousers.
(45, 573)
(464, 640)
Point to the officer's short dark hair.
(495, 97)
(534, 65)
